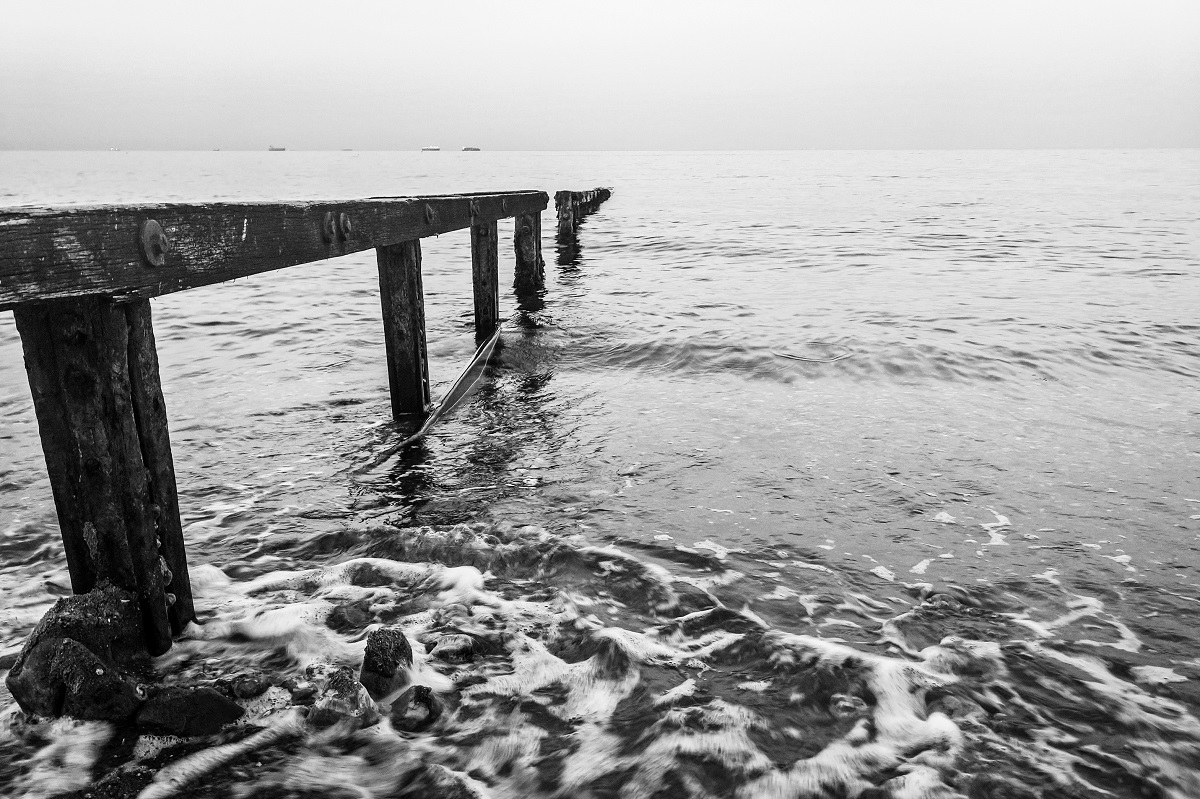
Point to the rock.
(77, 660)
(348, 617)
(303, 692)
(249, 685)
(106, 620)
(343, 699)
(385, 663)
(454, 648)
(434, 781)
(62, 677)
(187, 711)
(416, 709)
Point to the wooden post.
(77, 355)
(527, 240)
(403, 301)
(485, 274)
(151, 413)
(565, 208)
(572, 206)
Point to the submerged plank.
(131, 251)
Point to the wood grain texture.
(49, 253)
(401, 296)
(530, 271)
(76, 354)
(485, 277)
(150, 413)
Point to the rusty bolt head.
(154, 243)
(327, 228)
(345, 226)
(430, 214)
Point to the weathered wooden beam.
(402, 298)
(485, 277)
(150, 411)
(132, 251)
(573, 206)
(530, 272)
(77, 357)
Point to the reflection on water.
(961, 562)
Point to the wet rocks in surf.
(342, 699)
(81, 658)
(417, 709)
(60, 676)
(303, 692)
(454, 648)
(386, 661)
(187, 711)
(248, 685)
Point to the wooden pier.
(79, 280)
(572, 206)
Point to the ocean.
(811, 473)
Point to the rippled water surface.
(811, 474)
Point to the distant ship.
(470, 149)
(276, 149)
(433, 148)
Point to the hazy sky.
(597, 74)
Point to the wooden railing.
(79, 279)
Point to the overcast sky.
(598, 74)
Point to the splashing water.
(650, 557)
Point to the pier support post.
(93, 374)
(485, 275)
(403, 300)
(151, 414)
(565, 209)
(527, 240)
(573, 206)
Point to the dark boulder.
(78, 659)
(187, 711)
(385, 662)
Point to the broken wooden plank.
(134, 251)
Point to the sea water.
(810, 474)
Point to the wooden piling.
(572, 206)
(527, 241)
(485, 277)
(77, 355)
(150, 411)
(402, 298)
